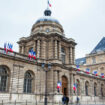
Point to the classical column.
(20, 49)
(56, 49)
(98, 88)
(34, 46)
(72, 81)
(59, 50)
(91, 88)
(38, 48)
(55, 81)
(82, 86)
(71, 56)
(23, 49)
(43, 50)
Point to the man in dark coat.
(77, 100)
(67, 100)
(63, 100)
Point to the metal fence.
(49, 103)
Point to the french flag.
(74, 87)
(95, 72)
(5, 47)
(49, 4)
(34, 54)
(102, 75)
(58, 86)
(78, 67)
(87, 70)
(30, 54)
(10, 47)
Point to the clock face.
(47, 30)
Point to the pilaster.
(59, 50)
(38, 48)
(56, 49)
(71, 56)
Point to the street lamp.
(46, 70)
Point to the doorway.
(64, 85)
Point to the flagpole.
(47, 4)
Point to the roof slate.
(80, 61)
(100, 46)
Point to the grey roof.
(47, 18)
(80, 61)
(100, 46)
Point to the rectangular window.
(63, 55)
(93, 60)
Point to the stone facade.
(95, 62)
(47, 39)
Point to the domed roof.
(47, 19)
(47, 23)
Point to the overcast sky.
(82, 20)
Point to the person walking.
(77, 100)
(64, 100)
(67, 100)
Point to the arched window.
(86, 88)
(95, 89)
(28, 82)
(78, 87)
(63, 55)
(4, 76)
(102, 90)
(31, 48)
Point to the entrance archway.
(64, 85)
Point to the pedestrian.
(63, 100)
(67, 100)
(77, 100)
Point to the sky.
(82, 20)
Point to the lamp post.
(46, 70)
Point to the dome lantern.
(47, 12)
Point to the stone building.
(95, 60)
(24, 79)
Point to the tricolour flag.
(5, 47)
(95, 72)
(102, 75)
(8, 47)
(30, 54)
(74, 87)
(34, 55)
(87, 70)
(58, 86)
(49, 4)
(78, 67)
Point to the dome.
(47, 19)
(47, 24)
